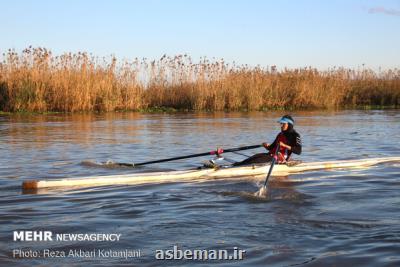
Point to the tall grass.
(36, 80)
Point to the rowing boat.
(203, 174)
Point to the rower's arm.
(271, 146)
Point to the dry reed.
(37, 81)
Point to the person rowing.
(289, 142)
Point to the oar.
(214, 152)
(263, 190)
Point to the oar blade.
(262, 192)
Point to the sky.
(286, 33)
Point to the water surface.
(323, 218)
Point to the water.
(324, 218)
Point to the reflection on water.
(324, 218)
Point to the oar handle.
(219, 151)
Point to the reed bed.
(37, 81)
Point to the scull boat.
(254, 171)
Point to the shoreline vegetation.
(36, 81)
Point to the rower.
(289, 142)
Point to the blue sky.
(287, 33)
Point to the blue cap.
(286, 120)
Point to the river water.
(321, 218)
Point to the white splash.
(262, 192)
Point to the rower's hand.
(265, 145)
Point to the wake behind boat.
(252, 171)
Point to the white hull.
(190, 175)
